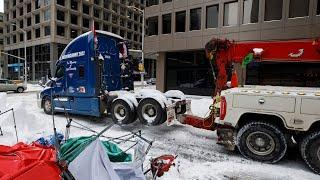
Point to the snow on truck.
(261, 121)
(89, 81)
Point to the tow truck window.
(60, 72)
(81, 72)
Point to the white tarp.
(94, 164)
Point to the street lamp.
(25, 53)
(143, 33)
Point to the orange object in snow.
(234, 79)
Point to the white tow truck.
(262, 120)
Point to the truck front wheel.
(262, 142)
(47, 105)
(150, 112)
(310, 151)
(122, 113)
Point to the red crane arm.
(224, 52)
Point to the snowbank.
(200, 107)
(3, 101)
(29, 126)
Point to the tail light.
(223, 108)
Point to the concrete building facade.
(52, 24)
(1, 45)
(179, 29)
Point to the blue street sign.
(15, 65)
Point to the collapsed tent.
(26, 162)
(89, 158)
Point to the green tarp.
(74, 146)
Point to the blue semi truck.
(88, 81)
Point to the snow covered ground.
(199, 157)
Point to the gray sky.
(1, 5)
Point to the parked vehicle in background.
(152, 81)
(8, 85)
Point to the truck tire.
(262, 142)
(310, 151)
(20, 90)
(122, 113)
(150, 112)
(46, 104)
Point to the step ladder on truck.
(261, 121)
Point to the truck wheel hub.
(120, 112)
(47, 105)
(318, 153)
(149, 112)
(260, 143)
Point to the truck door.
(111, 72)
(61, 101)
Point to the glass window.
(298, 8)
(21, 37)
(29, 35)
(61, 2)
(37, 4)
(166, 24)
(250, 11)
(37, 33)
(273, 10)
(29, 21)
(47, 15)
(85, 9)
(47, 30)
(28, 7)
(212, 15)
(195, 19)
(21, 24)
(85, 22)
(21, 11)
(73, 33)
(74, 19)
(60, 31)
(181, 21)
(60, 72)
(152, 23)
(37, 18)
(74, 4)
(230, 14)
(152, 2)
(96, 13)
(60, 15)
(165, 1)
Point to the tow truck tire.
(20, 90)
(262, 142)
(46, 104)
(310, 151)
(122, 113)
(150, 112)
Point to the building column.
(53, 57)
(161, 72)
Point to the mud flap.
(226, 137)
(171, 115)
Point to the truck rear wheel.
(150, 112)
(122, 113)
(310, 151)
(262, 142)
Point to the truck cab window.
(60, 72)
(81, 72)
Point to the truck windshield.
(60, 72)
